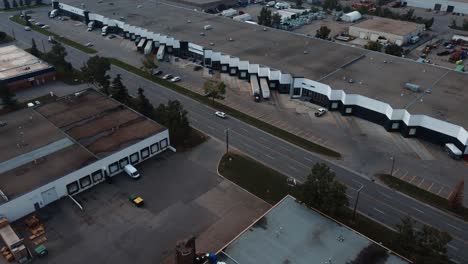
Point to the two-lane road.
(376, 201)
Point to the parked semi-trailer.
(255, 87)
(148, 47)
(160, 54)
(90, 26)
(265, 88)
(13, 242)
(104, 30)
(141, 44)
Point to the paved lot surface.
(376, 201)
(183, 195)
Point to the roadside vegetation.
(5, 38)
(453, 205)
(17, 5)
(323, 192)
(56, 37)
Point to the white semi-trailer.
(255, 87)
(160, 54)
(265, 88)
(104, 30)
(148, 47)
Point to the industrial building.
(290, 232)
(342, 78)
(20, 70)
(67, 146)
(458, 6)
(387, 30)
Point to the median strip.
(76, 45)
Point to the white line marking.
(306, 158)
(194, 119)
(358, 182)
(349, 196)
(210, 127)
(417, 210)
(245, 130)
(293, 168)
(378, 211)
(264, 139)
(269, 156)
(454, 227)
(386, 195)
(452, 247)
(284, 148)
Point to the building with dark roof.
(68, 146)
(20, 70)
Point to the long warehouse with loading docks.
(67, 146)
(350, 80)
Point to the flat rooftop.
(387, 25)
(292, 233)
(16, 62)
(382, 76)
(47, 142)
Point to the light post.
(356, 201)
(226, 132)
(393, 165)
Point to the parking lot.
(183, 196)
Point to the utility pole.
(13, 34)
(393, 165)
(356, 201)
(226, 132)
(43, 46)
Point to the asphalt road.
(376, 201)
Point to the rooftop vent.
(413, 87)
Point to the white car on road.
(167, 77)
(320, 112)
(220, 114)
(176, 79)
(27, 28)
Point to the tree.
(323, 32)
(465, 24)
(8, 97)
(394, 49)
(213, 90)
(148, 64)
(373, 45)
(276, 20)
(323, 192)
(409, 16)
(174, 117)
(38, 2)
(428, 23)
(299, 3)
(268, 18)
(262, 17)
(95, 72)
(453, 24)
(330, 4)
(143, 104)
(27, 2)
(34, 51)
(21, 3)
(15, 4)
(456, 197)
(119, 91)
(56, 56)
(6, 4)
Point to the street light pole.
(393, 165)
(356, 201)
(43, 46)
(226, 131)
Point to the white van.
(131, 171)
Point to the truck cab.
(132, 171)
(104, 30)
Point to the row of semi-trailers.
(148, 46)
(259, 87)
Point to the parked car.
(159, 72)
(197, 68)
(45, 26)
(176, 79)
(89, 44)
(39, 24)
(320, 112)
(167, 77)
(31, 20)
(220, 114)
(112, 36)
(27, 28)
(51, 40)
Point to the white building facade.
(460, 6)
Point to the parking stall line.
(404, 175)
(419, 185)
(441, 188)
(450, 194)
(430, 187)
(413, 179)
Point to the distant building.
(20, 70)
(292, 233)
(351, 17)
(458, 6)
(386, 30)
(68, 146)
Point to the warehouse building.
(62, 148)
(290, 232)
(20, 70)
(458, 6)
(386, 30)
(340, 77)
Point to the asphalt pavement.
(376, 201)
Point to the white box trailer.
(13, 242)
(255, 87)
(160, 54)
(148, 47)
(243, 17)
(104, 30)
(265, 88)
(453, 151)
(141, 44)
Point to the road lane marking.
(452, 247)
(457, 228)
(430, 187)
(245, 130)
(210, 127)
(413, 179)
(264, 139)
(293, 168)
(378, 211)
(284, 148)
(404, 175)
(419, 185)
(440, 190)
(386, 195)
(269, 156)
(416, 209)
(306, 158)
(450, 194)
(349, 196)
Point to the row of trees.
(420, 243)
(266, 18)
(391, 48)
(16, 4)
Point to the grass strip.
(271, 186)
(422, 195)
(76, 45)
(25, 7)
(301, 142)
